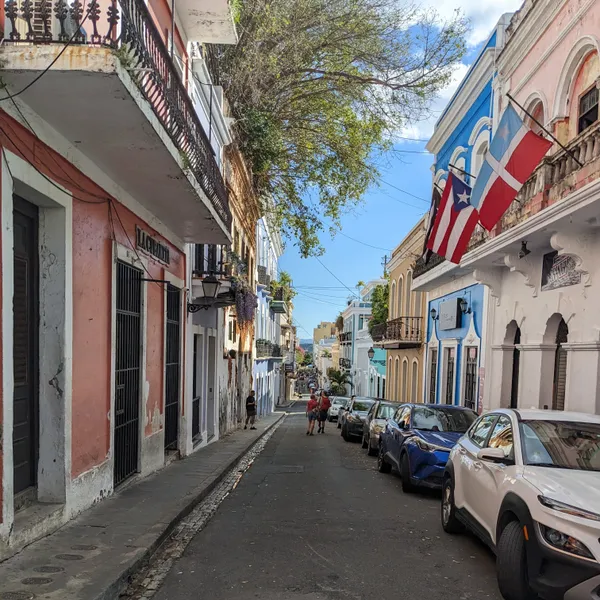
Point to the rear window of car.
(386, 411)
(362, 405)
(442, 419)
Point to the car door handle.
(462, 450)
(477, 465)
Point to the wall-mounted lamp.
(464, 307)
(434, 315)
(523, 252)
(371, 353)
(210, 287)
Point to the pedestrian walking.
(312, 409)
(324, 406)
(250, 410)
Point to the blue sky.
(386, 214)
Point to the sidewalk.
(91, 557)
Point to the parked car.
(374, 424)
(528, 483)
(354, 416)
(338, 403)
(418, 439)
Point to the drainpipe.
(172, 28)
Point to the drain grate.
(17, 596)
(69, 556)
(84, 547)
(36, 580)
(49, 569)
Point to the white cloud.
(483, 14)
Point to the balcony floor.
(93, 102)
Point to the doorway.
(560, 367)
(26, 312)
(198, 412)
(210, 389)
(516, 368)
(172, 367)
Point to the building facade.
(323, 330)
(99, 215)
(402, 337)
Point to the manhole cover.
(48, 569)
(84, 547)
(36, 580)
(17, 596)
(69, 556)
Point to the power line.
(335, 276)
(405, 192)
(363, 243)
(315, 299)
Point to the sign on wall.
(449, 315)
(144, 241)
(558, 271)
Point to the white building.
(323, 359)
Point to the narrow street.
(313, 519)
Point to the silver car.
(374, 424)
(338, 403)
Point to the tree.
(320, 88)
(307, 359)
(338, 381)
(379, 305)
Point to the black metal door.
(516, 368)
(25, 345)
(195, 390)
(128, 366)
(471, 378)
(449, 375)
(172, 367)
(560, 367)
(433, 375)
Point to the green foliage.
(379, 310)
(319, 89)
(339, 322)
(338, 381)
(285, 282)
(307, 359)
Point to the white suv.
(527, 482)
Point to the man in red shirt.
(323, 411)
(312, 411)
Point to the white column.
(583, 377)
(536, 375)
(498, 381)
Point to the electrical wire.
(67, 44)
(335, 276)
(405, 192)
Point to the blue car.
(417, 441)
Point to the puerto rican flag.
(454, 222)
(514, 153)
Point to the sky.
(387, 214)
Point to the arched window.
(560, 367)
(400, 299)
(404, 397)
(583, 99)
(408, 294)
(397, 381)
(393, 301)
(414, 382)
(536, 110)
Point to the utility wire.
(335, 276)
(405, 192)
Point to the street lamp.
(464, 307)
(210, 287)
(433, 314)
(371, 353)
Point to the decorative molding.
(492, 279)
(526, 267)
(471, 339)
(456, 153)
(483, 122)
(582, 346)
(580, 248)
(503, 347)
(536, 347)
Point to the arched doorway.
(516, 365)
(560, 367)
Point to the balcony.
(533, 215)
(278, 304)
(378, 332)
(403, 332)
(263, 279)
(345, 337)
(345, 363)
(115, 94)
(209, 21)
(210, 259)
(266, 349)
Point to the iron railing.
(345, 363)
(172, 367)
(405, 329)
(210, 259)
(266, 349)
(346, 336)
(129, 28)
(263, 278)
(378, 332)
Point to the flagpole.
(462, 171)
(569, 152)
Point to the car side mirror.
(492, 454)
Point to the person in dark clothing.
(324, 406)
(250, 410)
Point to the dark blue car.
(417, 441)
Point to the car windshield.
(386, 411)
(442, 419)
(561, 444)
(362, 405)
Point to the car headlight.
(564, 542)
(378, 428)
(568, 509)
(427, 447)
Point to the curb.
(116, 587)
(286, 406)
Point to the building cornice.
(461, 102)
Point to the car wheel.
(407, 486)
(364, 442)
(345, 434)
(511, 564)
(371, 451)
(449, 521)
(382, 465)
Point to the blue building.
(267, 370)
(455, 349)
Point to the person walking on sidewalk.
(250, 410)
(324, 406)
(312, 409)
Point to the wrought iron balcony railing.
(345, 363)
(263, 278)
(345, 337)
(404, 331)
(266, 349)
(129, 29)
(210, 259)
(378, 332)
